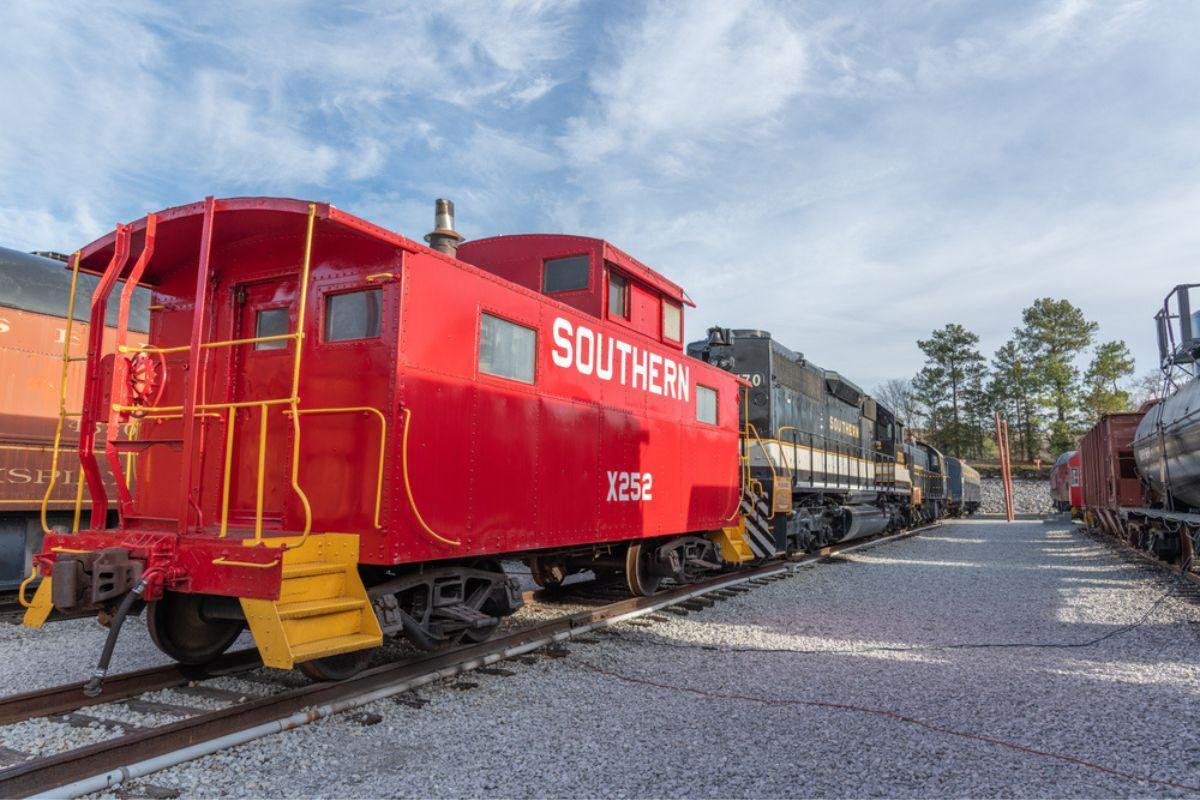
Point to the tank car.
(1066, 483)
(1140, 473)
(34, 294)
(825, 461)
(964, 489)
(340, 432)
(1166, 444)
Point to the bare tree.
(1146, 388)
(898, 395)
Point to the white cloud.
(121, 106)
(922, 166)
(687, 74)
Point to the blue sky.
(846, 175)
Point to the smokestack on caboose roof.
(443, 237)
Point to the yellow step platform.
(322, 610)
(732, 541)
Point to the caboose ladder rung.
(323, 608)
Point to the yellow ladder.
(323, 608)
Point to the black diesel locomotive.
(825, 463)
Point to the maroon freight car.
(1110, 479)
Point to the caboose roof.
(178, 230)
(481, 251)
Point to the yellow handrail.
(382, 443)
(754, 432)
(408, 485)
(279, 401)
(225, 562)
(21, 589)
(231, 416)
(62, 414)
(262, 473)
(183, 348)
(295, 399)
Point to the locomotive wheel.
(179, 629)
(637, 576)
(336, 668)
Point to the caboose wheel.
(336, 668)
(638, 577)
(179, 629)
(547, 573)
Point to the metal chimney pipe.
(443, 237)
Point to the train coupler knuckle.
(90, 580)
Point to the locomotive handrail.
(382, 443)
(762, 448)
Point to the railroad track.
(1189, 592)
(139, 751)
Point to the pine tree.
(1055, 332)
(1111, 365)
(953, 366)
(1014, 391)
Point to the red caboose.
(338, 432)
(1066, 484)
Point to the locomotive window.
(506, 349)
(618, 295)
(706, 405)
(271, 322)
(672, 322)
(353, 315)
(565, 274)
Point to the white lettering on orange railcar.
(608, 358)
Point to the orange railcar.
(33, 298)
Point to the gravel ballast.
(703, 705)
(1029, 497)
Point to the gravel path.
(704, 706)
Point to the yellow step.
(303, 609)
(323, 608)
(332, 647)
(308, 568)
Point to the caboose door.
(262, 372)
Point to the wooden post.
(1005, 471)
(1008, 487)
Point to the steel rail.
(109, 763)
(70, 697)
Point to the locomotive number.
(630, 486)
(755, 379)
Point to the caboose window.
(706, 405)
(506, 349)
(618, 295)
(271, 322)
(353, 315)
(565, 274)
(672, 322)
